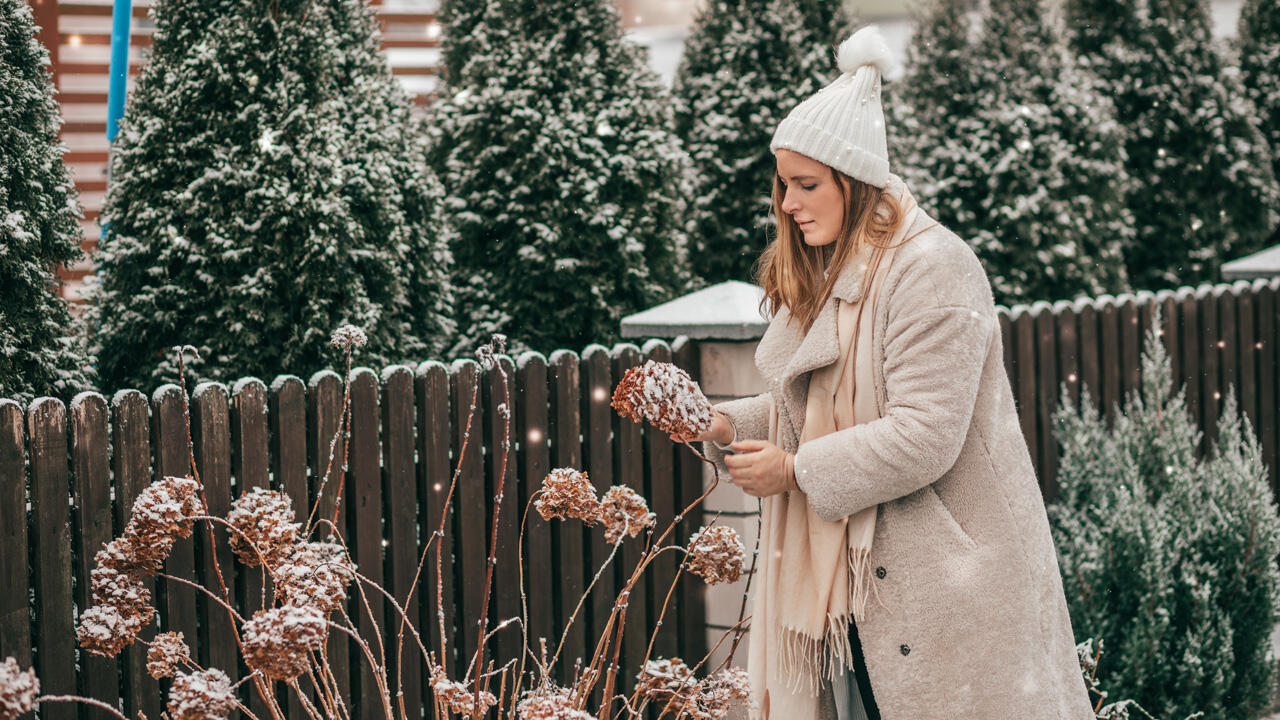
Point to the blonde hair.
(792, 272)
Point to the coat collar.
(783, 354)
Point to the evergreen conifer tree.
(1016, 150)
(39, 222)
(1053, 222)
(1203, 189)
(565, 186)
(742, 71)
(1259, 51)
(828, 21)
(1166, 558)
(268, 186)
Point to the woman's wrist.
(732, 433)
(790, 464)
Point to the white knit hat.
(843, 124)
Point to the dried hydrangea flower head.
(715, 554)
(717, 694)
(664, 679)
(348, 337)
(276, 641)
(265, 521)
(664, 395)
(316, 573)
(550, 703)
(568, 493)
(18, 690)
(204, 695)
(121, 608)
(166, 655)
(458, 698)
(163, 512)
(624, 512)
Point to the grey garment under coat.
(974, 622)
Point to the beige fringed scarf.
(815, 575)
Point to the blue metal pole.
(121, 14)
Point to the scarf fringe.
(805, 661)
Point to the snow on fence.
(68, 476)
(1216, 335)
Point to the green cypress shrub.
(1203, 190)
(741, 72)
(1259, 52)
(39, 223)
(564, 182)
(1169, 559)
(267, 186)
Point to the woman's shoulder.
(936, 268)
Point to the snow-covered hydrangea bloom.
(204, 695)
(265, 521)
(623, 511)
(664, 395)
(458, 698)
(18, 690)
(551, 703)
(166, 655)
(716, 554)
(568, 493)
(316, 573)
(349, 337)
(277, 641)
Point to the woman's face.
(812, 197)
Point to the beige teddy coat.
(976, 625)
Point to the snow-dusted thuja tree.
(267, 185)
(1169, 560)
(39, 221)
(564, 184)
(1203, 190)
(1015, 148)
(1050, 177)
(746, 63)
(1259, 52)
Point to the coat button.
(905, 650)
(880, 573)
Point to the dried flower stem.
(478, 661)
(693, 673)
(78, 699)
(230, 610)
(658, 626)
(755, 553)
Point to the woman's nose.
(789, 205)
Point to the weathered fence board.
(435, 477)
(501, 480)
(51, 553)
(658, 450)
(362, 496)
(400, 491)
(629, 471)
(531, 430)
(472, 546)
(15, 611)
(692, 615)
(566, 446)
(91, 495)
(211, 437)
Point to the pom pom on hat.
(867, 46)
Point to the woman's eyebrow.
(801, 177)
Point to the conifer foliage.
(1259, 52)
(1203, 190)
(1016, 149)
(1167, 558)
(267, 185)
(564, 184)
(39, 221)
(745, 65)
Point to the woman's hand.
(760, 468)
(720, 431)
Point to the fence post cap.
(726, 311)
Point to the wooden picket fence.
(68, 476)
(1217, 336)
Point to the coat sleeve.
(933, 361)
(750, 417)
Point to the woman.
(906, 568)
